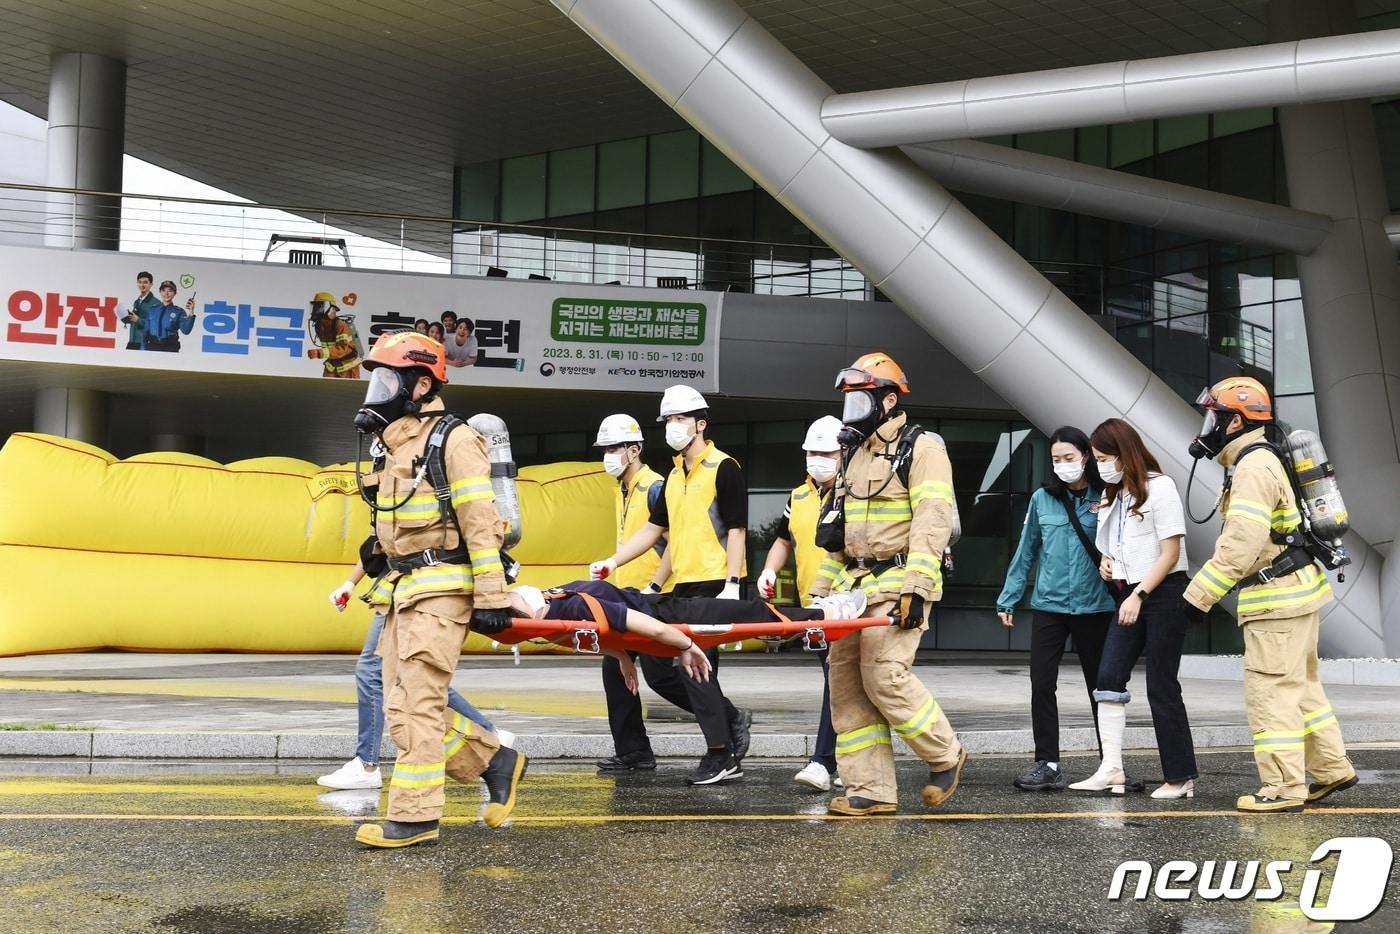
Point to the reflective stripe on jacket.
(698, 539)
(915, 521)
(1066, 579)
(418, 524)
(631, 512)
(1260, 501)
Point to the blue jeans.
(369, 698)
(1159, 632)
(824, 751)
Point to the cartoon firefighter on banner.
(339, 348)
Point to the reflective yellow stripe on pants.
(456, 736)
(921, 722)
(419, 775)
(1318, 719)
(1278, 740)
(875, 734)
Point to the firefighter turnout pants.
(420, 653)
(874, 696)
(1295, 731)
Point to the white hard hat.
(533, 597)
(678, 400)
(821, 437)
(618, 429)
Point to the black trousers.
(1048, 634)
(705, 699)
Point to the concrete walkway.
(115, 704)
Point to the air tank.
(1317, 481)
(503, 471)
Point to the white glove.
(651, 588)
(730, 592)
(340, 597)
(600, 570)
(768, 584)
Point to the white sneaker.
(848, 604)
(815, 776)
(352, 774)
(506, 737)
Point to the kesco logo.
(546, 369)
(1359, 879)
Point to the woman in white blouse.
(1140, 534)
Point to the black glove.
(489, 622)
(911, 611)
(374, 564)
(1192, 613)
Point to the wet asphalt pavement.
(211, 848)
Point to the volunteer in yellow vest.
(704, 515)
(1295, 731)
(444, 573)
(639, 488)
(893, 545)
(797, 536)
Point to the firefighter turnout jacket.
(888, 523)
(1259, 502)
(444, 589)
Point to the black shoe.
(856, 806)
(393, 834)
(1319, 790)
(1043, 777)
(718, 765)
(942, 784)
(739, 731)
(502, 777)
(642, 760)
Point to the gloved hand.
(768, 584)
(911, 611)
(600, 570)
(488, 622)
(340, 597)
(730, 591)
(1193, 613)
(651, 588)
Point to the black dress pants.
(1048, 634)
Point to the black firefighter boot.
(393, 834)
(502, 777)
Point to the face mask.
(1212, 438)
(615, 464)
(1070, 472)
(821, 469)
(386, 401)
(1109, 471)
(860, 413)
(679, 435)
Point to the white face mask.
(821, 469)
(1070, 472)
(1109, 471)
(615, 463)
(679, 435)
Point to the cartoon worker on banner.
(340, 349)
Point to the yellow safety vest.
(697, 535)
(804, 508)
(631, 512)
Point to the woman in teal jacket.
(1069, 597)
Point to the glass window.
(675, 218)
(1242, 164)
(571, 181)
(1178, 132)
(1238, 121)
(1292, 372)
(727, 216)
(478, 186)
(1049, 143)
(1179, 353)
(523, 188)
(673, 170)
(622, 179)
(1297, 411)
(718, 175)
(1130, 142)
(773, 223)
(1093, 145)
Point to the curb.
(99, 744)
(1355, 671)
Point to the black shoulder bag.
(1089, 550)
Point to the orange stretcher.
(592, 637)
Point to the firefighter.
(445, 573)
(339, 345)
(898, 520)
(1295, 730)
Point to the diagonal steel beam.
(1332, 68)
(1032, 178)
(730, 79)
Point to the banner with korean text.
(89, 307)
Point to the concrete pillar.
(87, 128)
(1350, 283)
(80, 414)
(177, 441)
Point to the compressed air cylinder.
(493, 429)
(1322, 499)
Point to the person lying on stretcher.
(630, 610)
